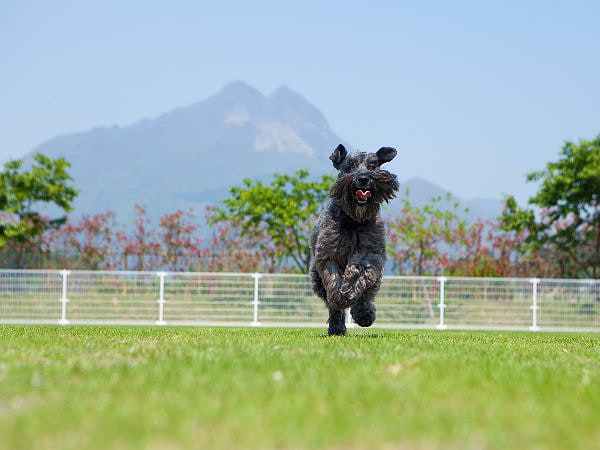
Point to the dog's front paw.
(351, 271)
(347, 297)
(337, 299)
(356, 281)
(371, 276)
(349, 289)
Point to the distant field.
(223, 388)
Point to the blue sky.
(473, 94)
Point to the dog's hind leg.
(317, 284)
(337, 322)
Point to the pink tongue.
(363, 195)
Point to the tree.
(96, 243)
(23, 192)
(284, 211)
(484, 249)
(420, 238)
(91, 242)
(568, 203)
(434, 239)
(142, 243)
(228, 251)
(181, 247)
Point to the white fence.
(174, 298)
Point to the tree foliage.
(140, 243)
(567, 222)
(24, 191)
(96, 242)
(180, 244)
(284, 211)
(434, 239)
(90, 240)
(419, 236)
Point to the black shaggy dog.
(347, 243)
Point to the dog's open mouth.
(362, 196)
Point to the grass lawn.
(225, 388)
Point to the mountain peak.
(285, 90)
(240, 89)
(289, 103)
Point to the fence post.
(255, 302)
(63, 299)
(534, 306)
(161, 298)
(442, 304)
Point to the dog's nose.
(363, 180)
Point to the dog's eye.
(372, 165)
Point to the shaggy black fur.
(347, 243)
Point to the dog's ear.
(386, 154)
(338, 156)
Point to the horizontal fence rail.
(253, 299)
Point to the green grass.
(219, 388)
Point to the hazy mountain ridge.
(190, 156)
(420, 192)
